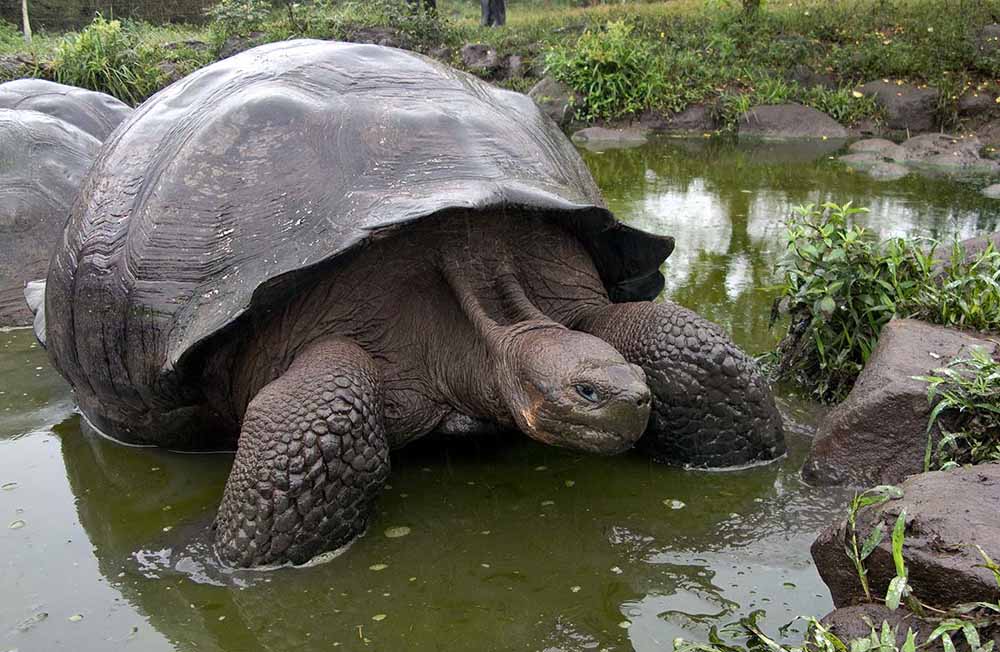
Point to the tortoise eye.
(587, 391)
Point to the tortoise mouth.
(616, 430)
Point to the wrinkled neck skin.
(499, 393)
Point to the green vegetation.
(841, 285)
(623, 57)
(108, 57)
(617, 73)
(967, 392)
(969, 620)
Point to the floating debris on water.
(8, 486)
(75, 618)
(575, 589)
(569, 483)
(674, 504)
(378, 567)
(17, 525)
(616, 570)
(541, 468)
(546, 503)
(624, 624)
(397, 531)
(378, 617)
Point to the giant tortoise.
(320, 251)
(94, 113)
(43, 161)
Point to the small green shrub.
(967, 392)
(616, 72)
(841, 285)
(107, 57)
(239, 17)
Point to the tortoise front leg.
(711, 405)
(312, 457)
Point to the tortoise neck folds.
(559, 386)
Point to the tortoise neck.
(497, 380)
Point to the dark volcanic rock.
(379, 35)
(974, 103)
(948, 514)
(880, 148)
(857, 621)
(789, 121)
(906, 106)
(947, 153)
(988, 39)
(695, 119)
(878, 435)
(555, 99)
(602, 138)
(481, 60)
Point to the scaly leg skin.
(711, 405)
(312, 457)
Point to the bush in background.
(108, 57)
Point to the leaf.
(895, 592)
(898, 534)
(874, 538)
(910, 644)
(971, 635)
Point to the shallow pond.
(510, 545)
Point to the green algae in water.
(607, 552)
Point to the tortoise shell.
(224, 190)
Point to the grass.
(841, 285)
(688, 51)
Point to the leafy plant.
(107, 57)
(240, 17)
(616, 73)
(841, 285)
(856, 552)
(967, 392)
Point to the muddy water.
(510, 545)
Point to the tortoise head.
(574, 390)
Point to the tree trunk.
(25, 21)
(494, 13)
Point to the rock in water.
(601, 138)
(789, 121)
(906, 106)
(878, 435)
(948, 514)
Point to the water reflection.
(512, 545)
(726, 203)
